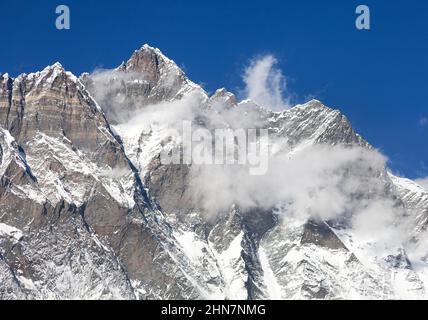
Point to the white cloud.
(266, 84)
(423, 121)
(108, 89)
(376, 223)
(321, 181)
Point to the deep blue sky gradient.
(377, 78)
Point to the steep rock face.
(10, 109)
(54, 102)
(222, 99)
(299, 264)
(164, 80)
(10, 288)
(69, 188)
(42, 243)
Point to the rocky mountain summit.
(89, 211)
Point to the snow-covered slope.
(415, 199)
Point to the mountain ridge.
(88, 210)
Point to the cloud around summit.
(266, 84)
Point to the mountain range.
(89, 211)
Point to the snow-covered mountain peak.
(313, 105)
(4, 76)
(148, 48)
(222, 92)
(51, 76)
(56, 65)
(149, 60)
(56, 68)
(251, 104)
(222, 99)
(157, 68)
(148, 77)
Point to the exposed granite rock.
(320, 234)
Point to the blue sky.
(378, 78)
